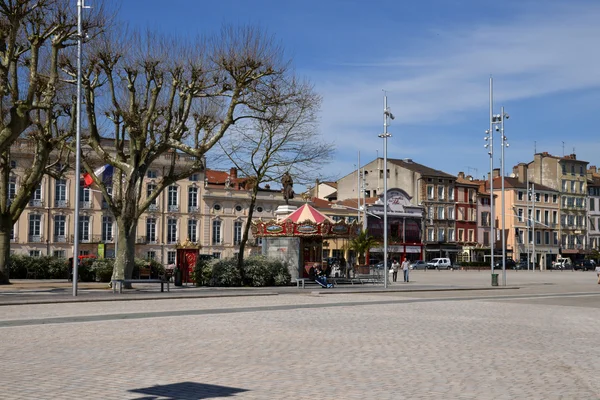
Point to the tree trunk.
(240, 265)
(5, 228)
(125, 257)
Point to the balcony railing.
(192, 209)
(36, 203)
(85, 204)
(153, 207)
(61, 203)
(173, 207)
(35, 238)
(60, 238)
(146, 240)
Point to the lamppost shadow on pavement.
(186, 391)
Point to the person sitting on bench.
(319, 276)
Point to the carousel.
(297, 237)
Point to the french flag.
(105, 172)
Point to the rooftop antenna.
(563, 148)
(573, 149)
(534, 147)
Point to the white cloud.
(444, 82)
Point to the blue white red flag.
(104, 173)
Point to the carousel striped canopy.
(306, 212)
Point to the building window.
(36, 197)
(440, 193)
(194, 177)
(171, 230)
(592, 204)
(35, 253)
(238, 208)
(60, 193)
(538, 215)
(150, 230)
(520, 195)
(554, 198)
(217, 207)
(538, 237)
(60, 223)
(572, 170)
(564, 185)
(486, 238)
(451, 193)
(150, 188)
(259, 209)
(547, 237)
(555, 236)
(85, 195)
(35, 228)
(84, 228)
(461, 235)
(430, 193)
(441, 235)
(192, 199)
(237, 232)
(471, 235)
(216, 232)
(451, 237)
(564, 169)
(171, 257)
(451, 212)
(485, 218)
(151, 255)
(520, 214)
(172, 200)
(581, 188)
(573, 184)
(546, 196)
(537, 197)
(440, 214)
(151, 174)
(12, 188)
(59, 254)
(216, 255)
(192, 230)
(430, 235)
(107, 228)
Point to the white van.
(439, 263)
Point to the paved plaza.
(445, 335)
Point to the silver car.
(419, 264)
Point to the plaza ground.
(445, 335)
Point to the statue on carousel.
(287, 183)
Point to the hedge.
(258, 271)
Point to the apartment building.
(593, 185)
(432, 189)
(568, 176)
(466, 216)
(208, 209)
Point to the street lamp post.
(490, 146)
(385, 135)
(498, 119)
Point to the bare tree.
(33, 35)
(283, 138)
(151, 98)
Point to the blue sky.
(434, 59)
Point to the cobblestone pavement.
(538, 342)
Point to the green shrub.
(258, 271)
(103, 269)
(225, 273)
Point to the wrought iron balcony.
(61, 203)
(60, 238)
(35, 238)
(36, 203)
(173, 207)
(153, 207)
(192, 209)
(85, 204)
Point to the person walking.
(598, 273)
(405, 267)
(395, 267)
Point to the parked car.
(510, 264)
(419, 264)
(584, 265)
(521, 265)
(439, 263)
(562, 263)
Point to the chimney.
(520, 171)
(573, 156)
(233, 173)
(461, 175)
(593, 169)
(316, 193)
(496, 172)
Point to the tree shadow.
(186, 391)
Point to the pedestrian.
(405, 267)
(395, 266)
(598, 273)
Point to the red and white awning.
(306, 212)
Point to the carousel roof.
(306, 212)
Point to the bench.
(145, 272)
(120, 282)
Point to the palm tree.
(361, 244)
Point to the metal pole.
(78, 154)
(502, 191)
(364, 202)
(492, 220)
(528, 219)
(534, 220)
(358, 189)
(385, 135)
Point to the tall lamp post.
(80, 7)
(385, 135)
(498, 120)
(490, 146)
